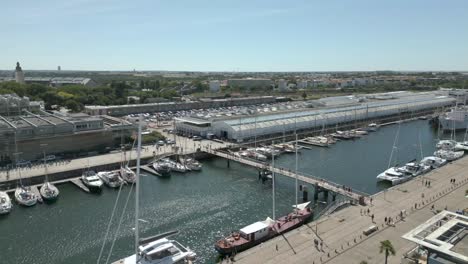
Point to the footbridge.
(320, 185)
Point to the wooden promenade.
(316, 181)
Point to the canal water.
(201, 205)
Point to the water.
(202, 205)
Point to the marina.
(226, 195)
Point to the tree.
(387, 247)
(72, 105)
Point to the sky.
(235, 35)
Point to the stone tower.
(19, 75)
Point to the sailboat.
(91, 180)
(5, 203)
(23, 194)
(154, 250)
(125, 172)
(48, 191)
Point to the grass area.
(152, 138)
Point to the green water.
(201, 205)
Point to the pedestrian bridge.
(318, 183)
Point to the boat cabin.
(255, 231)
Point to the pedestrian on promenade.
(429, 183)
(360, 211)
(321, 245)
(385, 220)
(372, 218)
(368, 211)
(371, 200)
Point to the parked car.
(196, 138)
(161, 143)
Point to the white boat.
(394, 176)
(110, 178)
(448, 155)
(434, 162)
(414, 169)
(192, 164)
(446, 144)
(461, 146)
(24, 196)
(175, 166)
(5, 203)
(127, 174)
(456, 119)
(372, 127)
(91, 180)
(49, 191)
(162, 168)
(161, 251)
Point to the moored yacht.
(448, 155)
(127, 174)
(456, 119)
(175, 166)
(110, 178)
(24, 196)
(49, 191)
(192, 164)
(162, 168)
(372, 127)
(394, 176)
(92, 181)
(414, 169)
(5, 203)
(434, 162)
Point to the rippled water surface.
(201, 205)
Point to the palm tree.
(387, 246)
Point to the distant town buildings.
(302, 84)
(50, 81)
(214, 86)
(59, 68)
(19, 75)
(249, 83)
(282, 85)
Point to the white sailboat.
(24, 196)
(110, 178)
(160, 250)
(5, 203)
(48, 191)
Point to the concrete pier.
(342, 235)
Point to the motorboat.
(192, 164)
(24, 196)
(161, 251)
(127, 174)
(162, 168)
(448, 155)
(394, 176)
(92, 180)
(461, 146)
(434, 162)
(342, 135)
(316, 141)
(359, 132)
(110, 178)
(414, 168)
(288, 148)
(372, 127)
(261, 231)
(5, 203)
(49, 191)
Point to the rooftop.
(257, 226)
(445, 233)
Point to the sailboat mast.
(296, 171)
(137, 189)
(273, 180)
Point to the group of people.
(427, 183)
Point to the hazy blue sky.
(240, 35)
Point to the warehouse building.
(72, 134)
(248, 127)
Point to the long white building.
(248, 127)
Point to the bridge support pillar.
(228, 163)
(325, 195)
(305, 194)
(316, 192)
(333, 197)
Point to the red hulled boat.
(261, 231)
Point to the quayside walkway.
(341, 234)
(316, 181)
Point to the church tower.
(19, 75)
